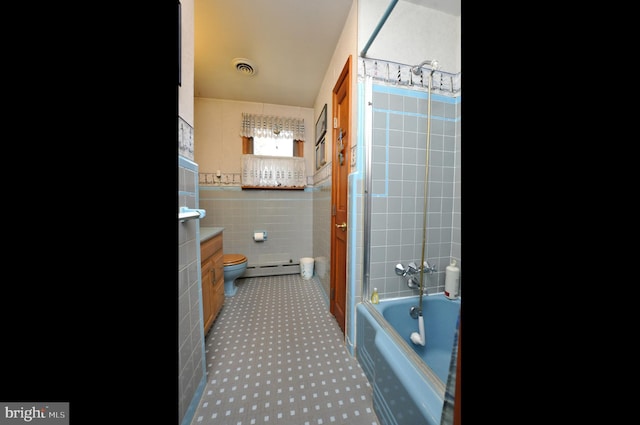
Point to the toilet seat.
(233, 259)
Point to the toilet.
(234, 266)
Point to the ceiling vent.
(244, 66)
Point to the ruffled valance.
(272, 127)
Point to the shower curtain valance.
(272, 126)
(443, 83)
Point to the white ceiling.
(289, 42)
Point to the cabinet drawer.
(210, 246)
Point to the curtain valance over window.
(271, 126)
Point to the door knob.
(342, 226)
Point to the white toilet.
(234, 267)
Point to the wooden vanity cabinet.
(212, 267)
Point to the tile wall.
(286, 216)
(399, 140)
(322, 233)
(191, 372)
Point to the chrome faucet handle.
(412, 268)
(400, 270)
(429, 268)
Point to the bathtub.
(408, 380)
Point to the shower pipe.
(419, 337)
(383, 19)
(426, 179)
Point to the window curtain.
(274, 127)
(272, 172)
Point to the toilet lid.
(233, 259)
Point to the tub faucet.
(409, 273)
(411, 269)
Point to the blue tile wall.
(191, 374)
(398, 166)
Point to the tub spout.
(411, 283)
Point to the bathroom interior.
(403, 191)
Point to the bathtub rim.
(433, 379)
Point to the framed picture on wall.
(321, 124)
(320, 155)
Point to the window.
(272, 147)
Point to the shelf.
(272, 188)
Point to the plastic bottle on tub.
(452, 280)
(375, 298)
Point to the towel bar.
(185, 213)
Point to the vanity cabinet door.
(212, 264)
(207, 291)
(217, 291)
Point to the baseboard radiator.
(271, 270)
(273, 265)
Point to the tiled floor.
(275, 355)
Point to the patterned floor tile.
(275, 355)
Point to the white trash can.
(306, 267)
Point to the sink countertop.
(209, 232)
